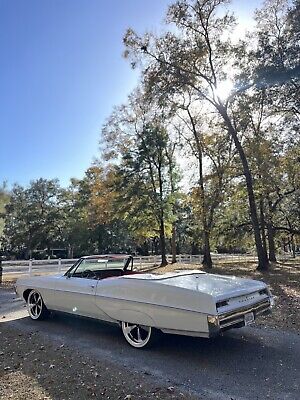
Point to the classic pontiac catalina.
(192, 303)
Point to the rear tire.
(139, 336)
(36, 307)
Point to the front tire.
(36, 307)
(138, 336)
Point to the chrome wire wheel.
(136, 335)
(35, 305)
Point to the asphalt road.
(245, 364)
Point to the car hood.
(38, 278)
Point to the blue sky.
(61, 73)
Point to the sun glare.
(224, 89)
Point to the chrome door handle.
(93, 286)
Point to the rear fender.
(135, 317)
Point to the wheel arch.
(135, 317)
(26, 294)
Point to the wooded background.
(204, 156)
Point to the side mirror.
(68, 275)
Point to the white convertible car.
(192, 303)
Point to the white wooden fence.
(39, 267)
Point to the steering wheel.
(87, 273)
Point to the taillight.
(263, 291)
(222, 303)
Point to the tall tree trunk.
(263, 262)
(173, 243)
(178, 248)
(162, 236)
(162, 239)
(155, 242)
(293, 246)
(271, 232)
(263, 225)
(170, 155)
(207, 261)
(271, 242)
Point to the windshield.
(99, 264)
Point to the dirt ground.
(283, 280)
(33, 368)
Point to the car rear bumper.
(236, 318)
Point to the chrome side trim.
(186, 333)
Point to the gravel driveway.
(77, 358)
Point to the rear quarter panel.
(153, 304)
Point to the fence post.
(30, 267)
(59, 265)
(190, 259)
(154, 258)
(140, 262)
(179, 259)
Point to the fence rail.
(37, 267)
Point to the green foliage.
(4, 199)
(143, 183)
(33, 217)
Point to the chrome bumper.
(236, 318)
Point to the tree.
(137, 138)
(277, 55)
(143, 176)
(33, 217)
(271, 109)
(212, 148)
(4, 199)
(92, 224)
(174, 177)
(199, 57)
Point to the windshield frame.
(128, 265)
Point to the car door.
(75, 291)
(76, 296)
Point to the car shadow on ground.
(93, 334)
